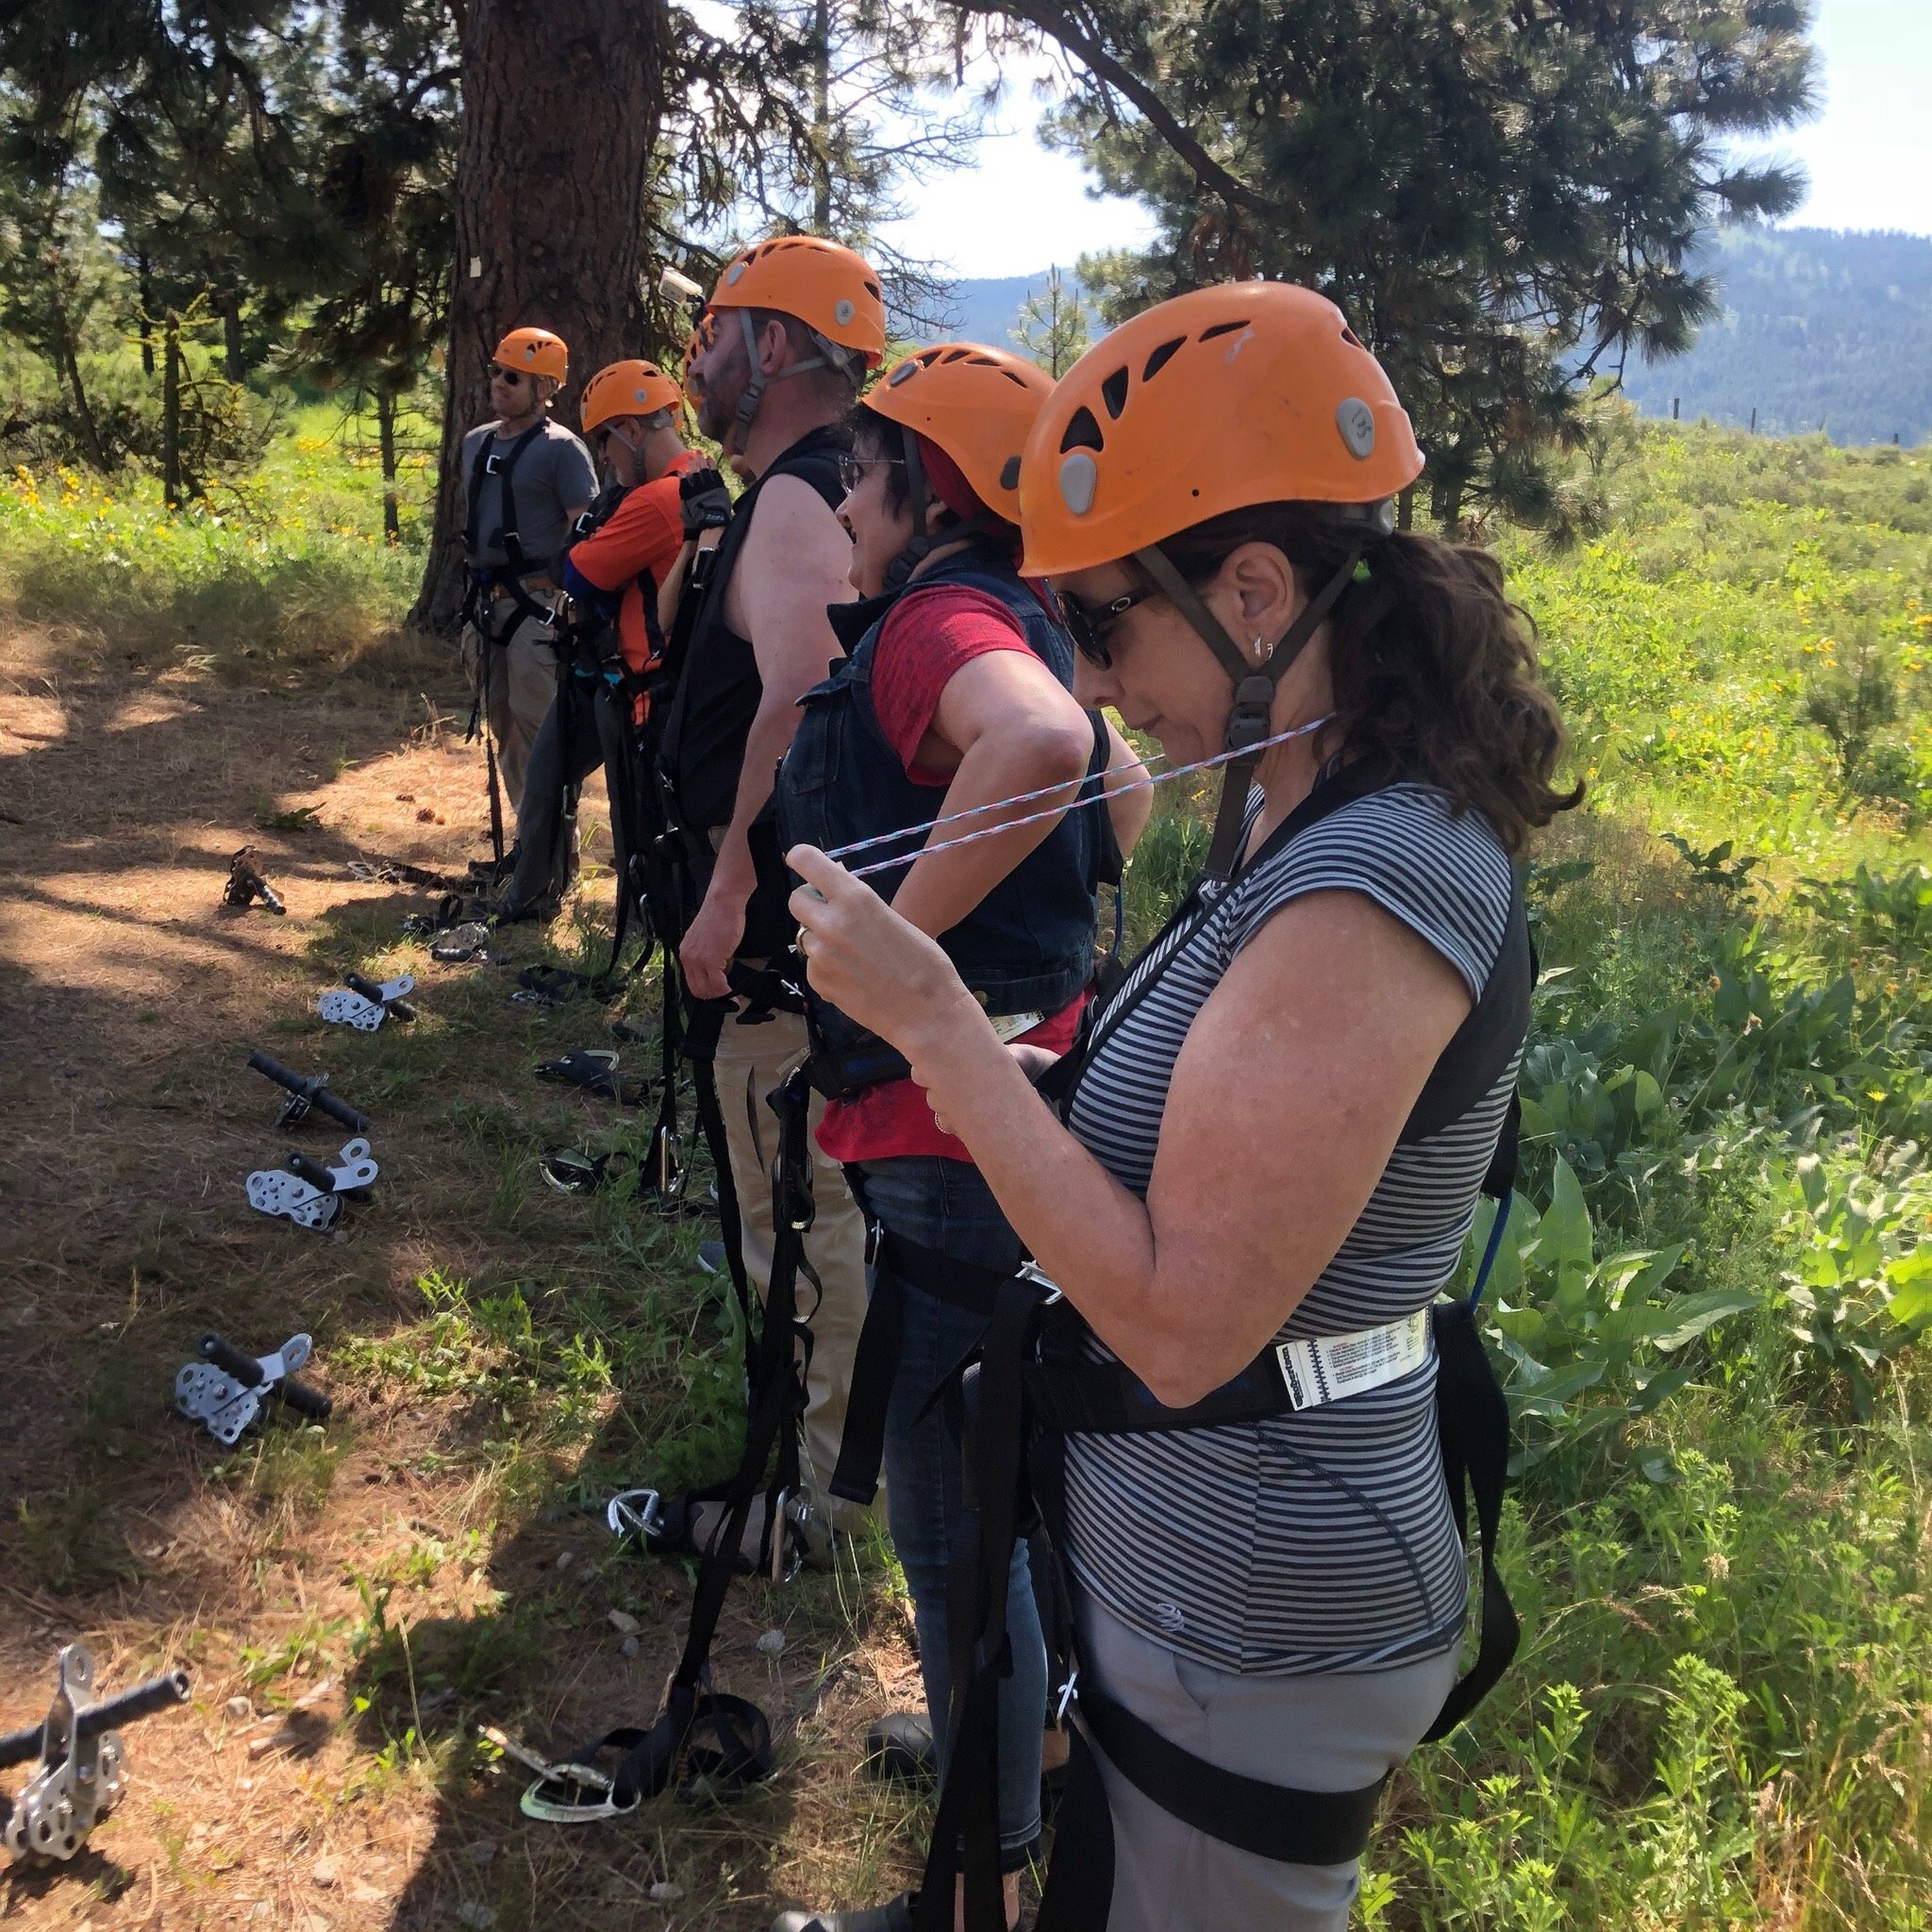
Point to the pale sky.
(1869, 153)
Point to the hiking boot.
(899, 1750)
(896, 1915)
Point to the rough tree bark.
(67, 362)
(171, 410)
(385, 446)
(561, 104)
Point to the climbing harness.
(80, 1763)
(365, 1006)
(227, 1389)
(594, 1069)
(247, 885)
(304, 1093)
(671, 1751)
(307, 1191)
(1036, 1380)
(493, 587)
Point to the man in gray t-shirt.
(507, 649)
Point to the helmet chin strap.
(899, 572)
(637, 452)
(758, 382)
(1255, 686)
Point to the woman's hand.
(874, 966)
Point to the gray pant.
(1321, 1733)
(572, 743)
(517, 679)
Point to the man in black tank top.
(791, 328)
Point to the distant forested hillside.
(1816, 326)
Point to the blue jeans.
(946, 1205)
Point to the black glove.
(703, 501)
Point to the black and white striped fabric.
(1321, 1540)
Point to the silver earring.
(1262, 652)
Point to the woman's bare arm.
(1286, 1102)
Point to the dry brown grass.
(397, 1575)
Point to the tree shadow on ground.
(501, 1357)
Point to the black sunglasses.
(851, 469)
(1087, 624)
(513, 377)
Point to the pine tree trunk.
(83, 409)
(386, 444)
(171, 411)
(234, 365)
(144, 287)
(561, 104)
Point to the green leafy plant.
(1714, 866)
(1860, 1288)
(1587, 1341)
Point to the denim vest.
(1028, 947)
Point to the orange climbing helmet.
(826, 286)
(625, 389)
(535, 350)
(1246, 394)
(974, 404)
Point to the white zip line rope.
(1146, 784)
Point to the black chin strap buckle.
(1253, 704)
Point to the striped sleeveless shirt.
(1322, 1540)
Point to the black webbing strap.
(769, 1463)
(701, 1048)
(1079, 1892)
(897, 1262)
(1280, 1822)
(966, 1832)
(1255, 686)
(1473, 1425)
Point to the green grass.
(1709, 1313)
(290, 561)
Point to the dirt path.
(350, 1601)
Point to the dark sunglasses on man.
(510, 378)
(1089, 623)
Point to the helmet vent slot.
(1082, 432)
(1222, 328)
(1161, 357)
(1349, 336)
(1010, 473)
(1113, 392)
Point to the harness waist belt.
(1326, 1368)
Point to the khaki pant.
(520, 686)
(752, 1060)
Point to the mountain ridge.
(1817, 327)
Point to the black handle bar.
(312, 1089)
(143, 1699)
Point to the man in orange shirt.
(659, 494)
